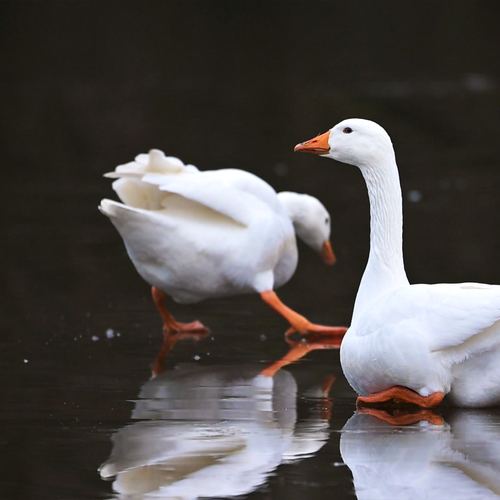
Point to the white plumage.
(432, 339)
(195, 235)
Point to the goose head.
(354, 141)
(311, 222)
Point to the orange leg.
(405, 418)
(399, 394)
(172, 330)
(169, 323)
(298, 323)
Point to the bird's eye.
(327, 220)
(347, 130)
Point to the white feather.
(197, 235)
(429, 338)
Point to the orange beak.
(318, 146)
(327, 253)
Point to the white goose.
(412, 343)
(196, 235)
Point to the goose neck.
(386, 215)
(385, 269)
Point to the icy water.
(87, 86)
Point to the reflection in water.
(169, 341)
(457, 459)
(298, 349)
(210, 431)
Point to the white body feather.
(429, 338)
(198, 235)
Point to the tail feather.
(120, 213)
(153, 162)
(162, 164)
(138, 194)
(108, 207)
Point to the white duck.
(197, 235)
(412, 343)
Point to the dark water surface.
(87, 86)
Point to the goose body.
(430, 339)
(196, 235)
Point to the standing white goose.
(412, 343)
(197, 235)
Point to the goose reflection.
(211, 431)
(433, 459)
(297, 349)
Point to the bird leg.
(399, 394)
(169, 323)
(172, 330)
(298, 323)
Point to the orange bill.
(318, 146)
(327, 253)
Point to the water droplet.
(414, 196)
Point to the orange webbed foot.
(298, 323)
(401, 395)
(170, 325)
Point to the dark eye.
(327, 220)
(347, 130)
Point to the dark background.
(87, 85)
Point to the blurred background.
(87, 85)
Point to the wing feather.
(211, 191)
(236, 194)
(446, 314)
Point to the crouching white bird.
(412, 343)
(196, 235)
